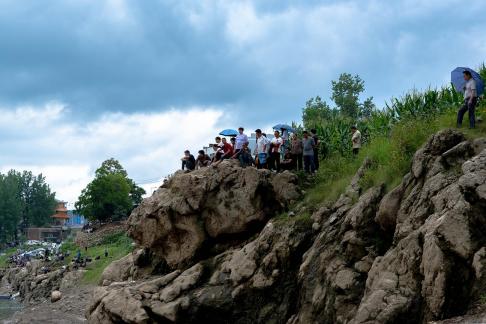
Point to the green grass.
(4, 257)
(118, 245)
(390, 155)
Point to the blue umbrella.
(284, 126)
(457, 79)
(228, 132)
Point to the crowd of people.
(283, 152)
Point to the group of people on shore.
(282, 152)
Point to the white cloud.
(148, 145)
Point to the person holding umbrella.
(470, 100)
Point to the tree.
(25, 200)
(315, 112)
(111, 195)
(10, 206)
(367, 108)
(37, 199)
(345, 94)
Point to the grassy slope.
(117, 245)
(6, 255)
(391, 158)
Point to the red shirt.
(228, 150)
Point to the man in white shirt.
(356, 139)
(276, 142)
(261, 148)
(470, 100)
(241, 139)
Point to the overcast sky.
(85, 80)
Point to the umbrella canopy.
(284, 126)
(228, 132)
(457, 79)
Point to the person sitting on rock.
(188, 161)
(227, 149)
(244, 155)
(227, 152)
(218, 149)
(203, 160)
(288, 163)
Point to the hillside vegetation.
(390, 138)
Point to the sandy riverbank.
(69, 310)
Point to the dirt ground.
(69, 310)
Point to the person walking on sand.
(356, 139)
(470, 100)
(308, 152)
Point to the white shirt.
(240, 140)
(277, 142)
(356, 139)
(260, 147)
(470, 89)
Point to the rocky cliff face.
(414, 254)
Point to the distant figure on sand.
(470, 100)
(188, 161)
(356, 139)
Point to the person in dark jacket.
(188, 161)
(203, 160)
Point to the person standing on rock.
(241, 139)
(276, 143)
(308, 152)
(188, 161)
(261, 149)
(296, 151)
(470, 100)
(355, 139)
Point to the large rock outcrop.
(193, 212)
(412, 255)
(250, 284)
